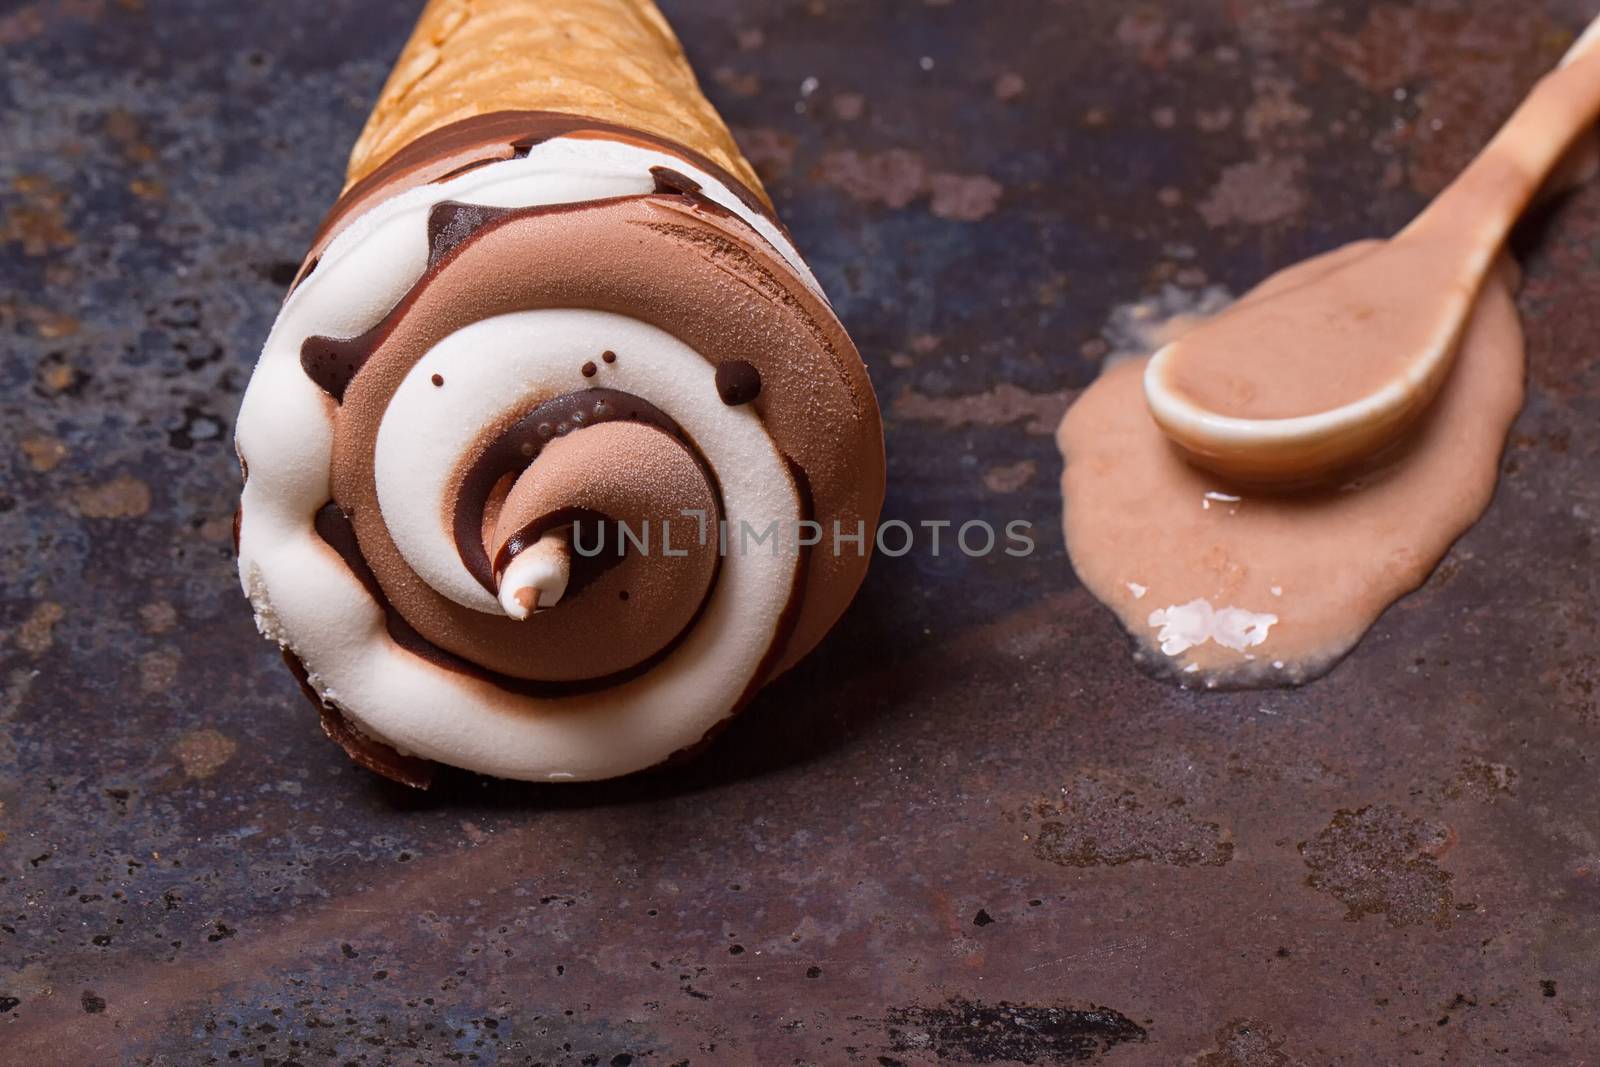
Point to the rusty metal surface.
(966, 830)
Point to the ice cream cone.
(611, 61)
(552, 301)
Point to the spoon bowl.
(1289, 437)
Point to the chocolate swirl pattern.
(517, 337)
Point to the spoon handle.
(1478, 209)
(1587, 42)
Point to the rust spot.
(202, 752)
(963, 197)
(1483, 779)
(1463, 67)
(1274, 108)
(1246, 1043)
(39, 222)
(46, 322)
(1379, 861)
(123, 497)
(1575, 687)
(158, 617)
(893, 178)
(965, 1031)
(1255, 193)
(847, 107)
(158, 671)
(37, 632)
(218, 529)
(44, 454)
(1009, 478)
(1001, 406)
(123, 129)
(737, 82)
(58, 377)
(1156, 41)
(1094, 823)
(20, 26)
(897, 178)
(1009, 86)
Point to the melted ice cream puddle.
(1223, 586)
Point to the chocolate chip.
(738, 382)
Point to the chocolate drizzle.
(513, 134)
(451, 222)
(517, 448)
(671, 181)
(333, 526)
(474, 165)
(333, 363)
(738, 382)
(305, 272)
(499, 136)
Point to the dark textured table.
(967, 829)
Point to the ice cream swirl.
(522, 336)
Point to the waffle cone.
(615, 61)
